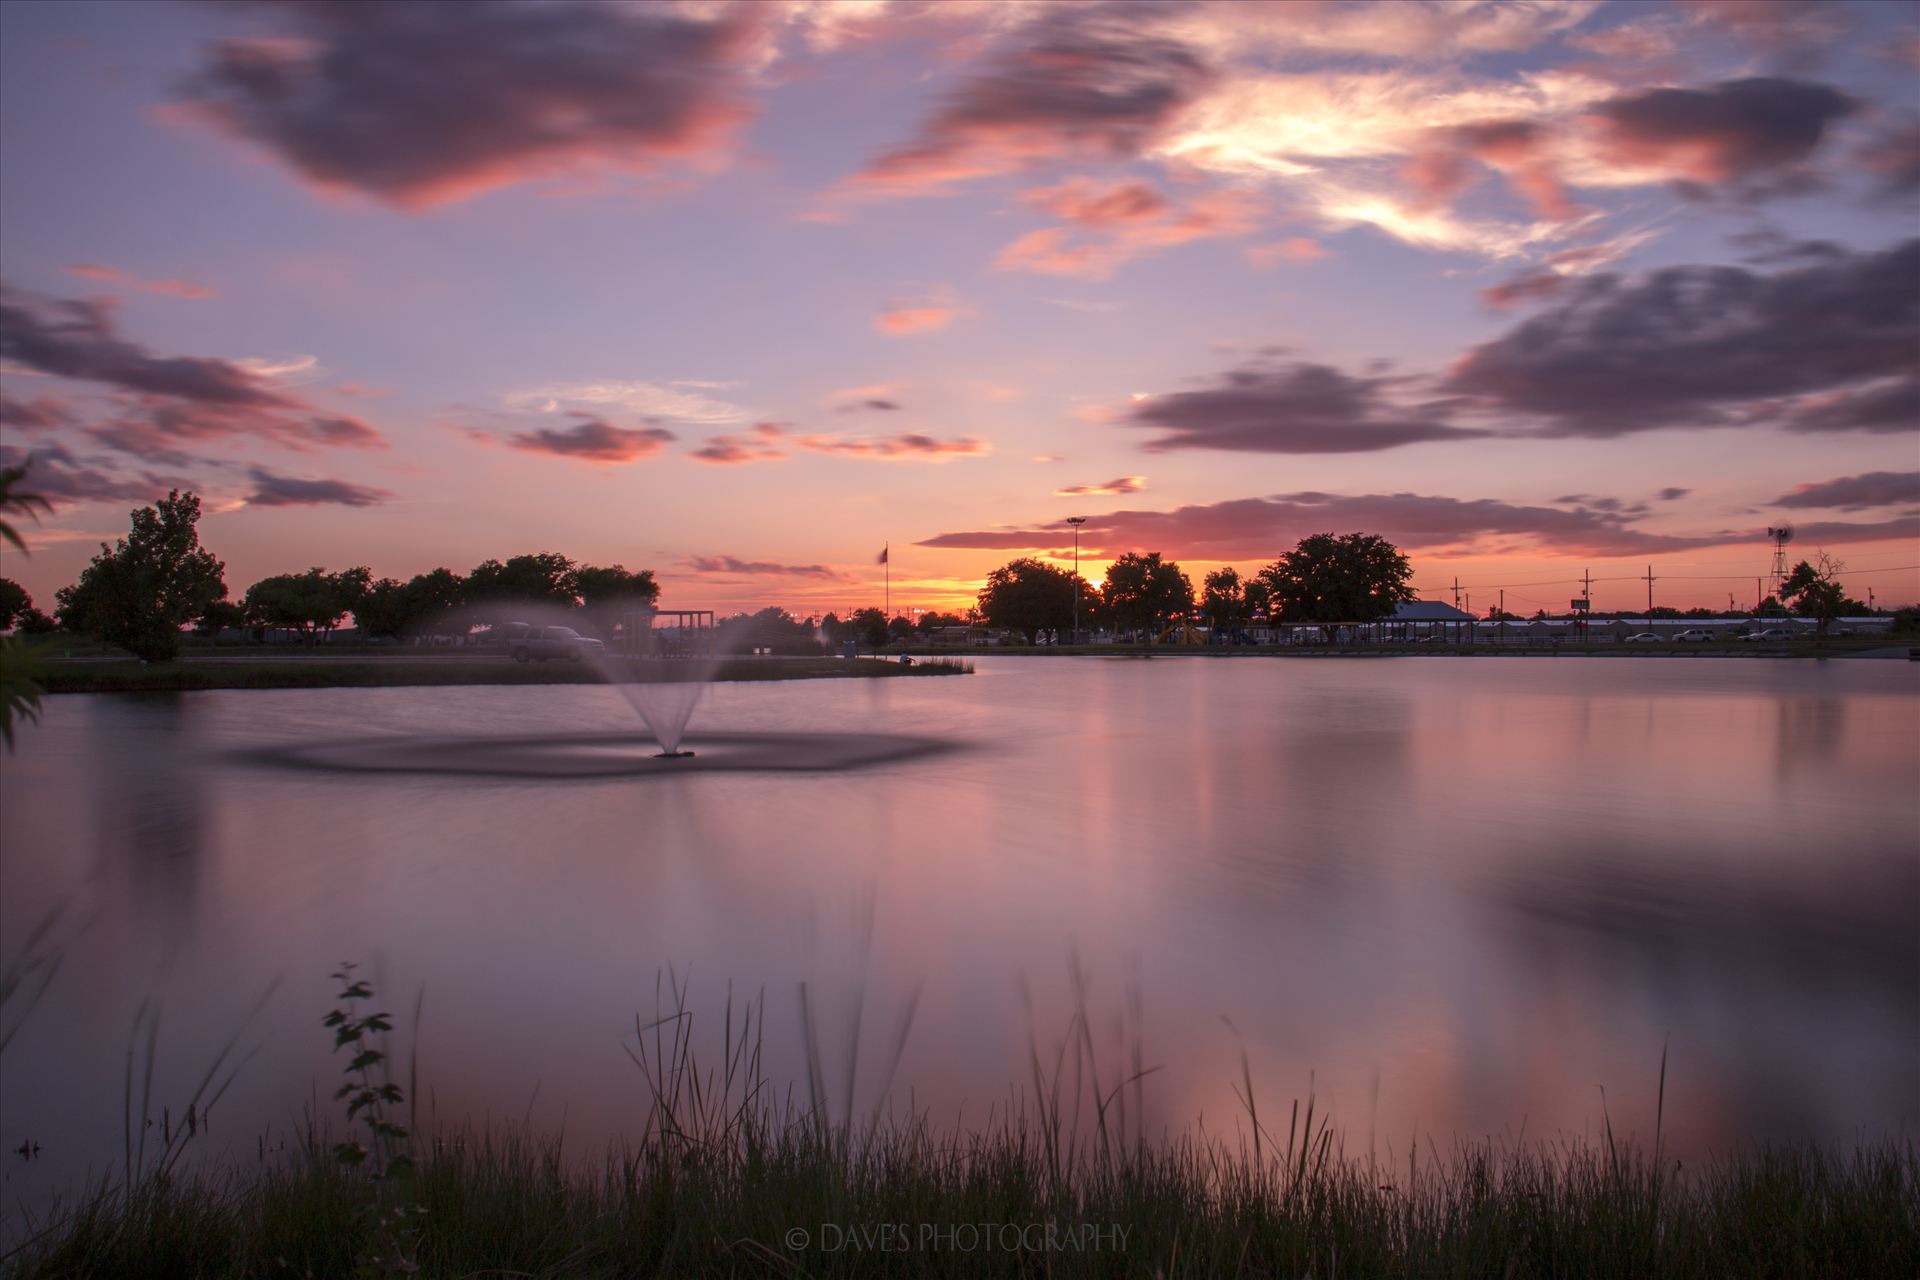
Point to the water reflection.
(1458, 895)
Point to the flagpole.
(886, 558)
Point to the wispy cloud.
(128, 280)
(898, 448)
(903, 317)
(646, 399)
(734, 567)
(1110, 488)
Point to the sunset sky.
(739, 293)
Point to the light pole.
(1076, 522)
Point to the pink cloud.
(904, 317)
(1113, 225)
(732, 450)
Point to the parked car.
(1771, 633)
(1642, 637)
(1694, 635)
(537, 644)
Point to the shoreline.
(306, 671)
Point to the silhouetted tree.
(1257, 597)
(610, 591)
(1354, 577)
(772, 628)
(138, 593)
(1223, 597)
(218, 616)
(308, 602)
(1814, 591)
(1029, 596)
(15, 604)
(545, 578)
(1143, 591)
(869, 626)
(384, 611)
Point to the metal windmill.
(1780, 536)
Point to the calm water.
(1458, 896)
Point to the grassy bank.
(329, 673)
(732, 1176)
(916, 1203)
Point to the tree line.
(1328, 577)
(142, 590)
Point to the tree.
(384, 611)
(1143, 591)
(901, 628)
(1256, 596)
(1223, 597)
(607, 593)
(138, 593)
(218, 616)
(15, 603)
(869, 627)
(306, 602)
(1030, 596)
(545, 578)
(1814, 591)
(1331, 578)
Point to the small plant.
(372, 1100)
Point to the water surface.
(1457, 896)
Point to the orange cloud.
(903, 317)
(1110, 489)
(901, 448)
(1119, 223)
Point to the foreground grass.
(732, 1177)
(332, 673)
(809, 1204)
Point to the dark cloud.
(762, 568)
(593, 440)
(76, 339)
(1294, 408)
(422, 103)
(270, 490)
(1673, 494)
(1735, 130)
(733, 450)
(1248, 528)
(58, 475)
(163, 399)
(873, 404)
(1856, 493)
(1078, 84)
(1828, 531)
(1688, 345)
(42, 413)
(1888, 407)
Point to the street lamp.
(1076, 522)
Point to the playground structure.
(1182, 632)
(667, 633)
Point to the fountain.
(662, 681)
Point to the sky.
(742, 293)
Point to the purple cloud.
(1297, 408)
(593, 440)
(270, 490)
(1856, 493)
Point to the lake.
(1450, 896)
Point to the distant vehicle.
(537, 644)
(1695, 634)
(1771, 633)
(1643, 637)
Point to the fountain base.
(604, 755)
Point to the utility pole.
(1076, 522)
(1649, 595)
(1456, 591)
